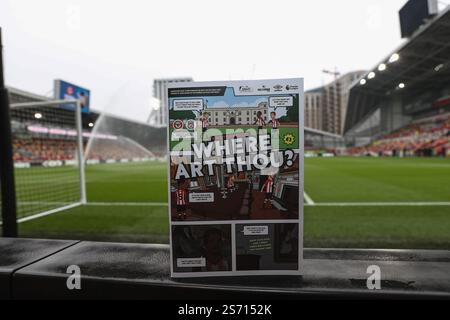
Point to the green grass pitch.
(334, 184)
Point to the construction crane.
(334, 73)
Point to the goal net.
(47, 149)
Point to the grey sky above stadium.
(116, 48)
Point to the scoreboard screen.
(64, 90)
(414, 13)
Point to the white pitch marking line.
(308, 199)
(128, 204)
(42, 203)
(309, 202)
(377, 204)
(49, 212)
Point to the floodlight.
(394, 57)
(438, 67)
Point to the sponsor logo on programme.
(245, 89)
(264, 88)
(278, 88)
(291, 87)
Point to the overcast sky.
(116, 48)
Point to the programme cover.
(236, 177)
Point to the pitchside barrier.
(47, 141)
(67, 269)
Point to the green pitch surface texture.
(352, 202)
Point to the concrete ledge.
(141, 271)
(18, 253)
(379, 254)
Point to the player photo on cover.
(233, 156)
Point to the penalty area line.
(308, 199)
(380, 204)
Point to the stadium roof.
(419, 64)
(321, 133)
(27, 95)
(18, 97)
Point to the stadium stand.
(425, 137)
(52, 137)
(116, 149)
(37, 150)
(41, 149)
(402, 106)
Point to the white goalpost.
(48, 151)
